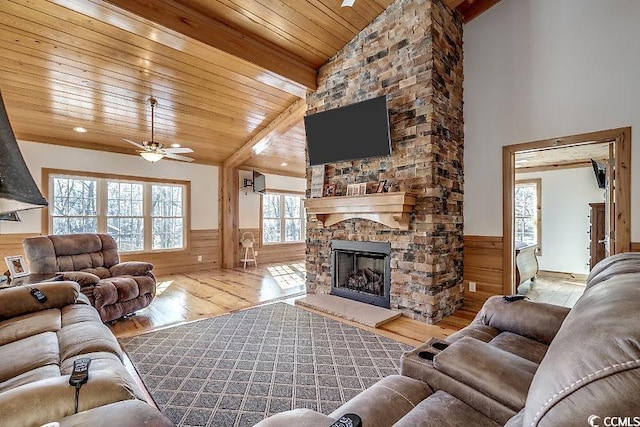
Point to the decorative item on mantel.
(390, 209)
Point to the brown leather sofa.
(38, 345)
(519, 364)
(115, 289)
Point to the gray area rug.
(237, 369)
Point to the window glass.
(74, 205)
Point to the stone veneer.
(412, 53)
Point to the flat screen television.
(354, 132)
(600, 172)
(259, 182)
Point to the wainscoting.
(202, 242)
(483, 265)
(274, 253)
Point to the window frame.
(303, 234)
(537, 182)
(103, 178)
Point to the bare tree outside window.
(125, 215)
(282, 218)
(167, 218)
(74, 206)
(139, 215)
(527, 212)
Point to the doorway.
(617, 143)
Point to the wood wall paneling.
(203, 242)
(482, 265)
(275, 253)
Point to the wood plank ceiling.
(222, 71)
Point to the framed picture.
(363, 188)
(17, 266)
(329, 190)
(350, 190)
(381, 185)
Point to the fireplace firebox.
(361, 271)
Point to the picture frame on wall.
(381, 185)
(329, 190)
(17, 266)
(350, 190)
(363, 188)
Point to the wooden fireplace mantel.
(390, 209)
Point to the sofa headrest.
(72, 252)
(627, 262)
(592, 367)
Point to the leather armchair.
(115, 289)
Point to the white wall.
(204, 179)
(538, 69)
(566, 195)
(249, 202)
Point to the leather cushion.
(520, 346)
(499, 374)
(20, 327)
(443, 410)
(27, 354)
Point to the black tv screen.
(353, 132)
(259, 182)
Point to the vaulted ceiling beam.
(279, 126)
(207, 30)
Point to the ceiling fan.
(153, 151)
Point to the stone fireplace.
(412, 53)
(361, 271)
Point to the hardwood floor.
(187, 297)
(553, 290)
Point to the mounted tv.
(259, 182)
(600, 172)
(354, 132)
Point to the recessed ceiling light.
(284, 164)
(175, 145)
(348, 3)
(80, 129)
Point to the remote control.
(80, 374)
(348, 420)
(512, 298)
(37, 294)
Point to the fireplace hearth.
(361, 271)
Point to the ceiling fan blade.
(177, 150)
(178, 157)
(142, 147)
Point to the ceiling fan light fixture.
(347, 3)
(151, 156)
(175, 145)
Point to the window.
(527, 209)
(140, 215)
(282, 218)
(74, 208)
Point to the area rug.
(237, 369)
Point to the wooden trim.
(191, 23)
(508, 178)
(554, 167)
(621, 137)
(46, 223)
(635, 246)
(283, 191)
(279, 126)
(230, 216)
(538, 184)
(390, 209)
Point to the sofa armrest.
(131, 268)
(535, 320)
(127, 413)
(18, 300)
(80, 277)
(496, 373)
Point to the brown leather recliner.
(115, 289)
